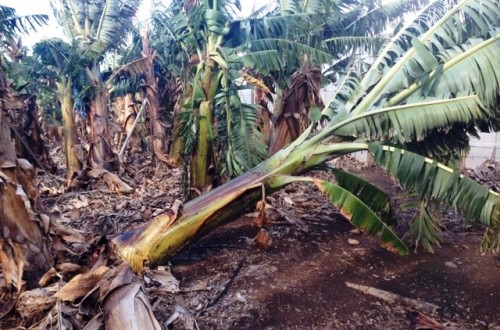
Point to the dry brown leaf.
(127, 308)
(79, 202)
(34, 303)
(47, 277)
(182, 314)
(201, 285)
(96, 323)
(115, 278)
(68, 267)
(116, 184)
(113, 181)
(163, 275)
(420, 321)
(81, 284)
(263, 240)
(23, 244)
(67, 233)
(261, 219)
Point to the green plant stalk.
(199, 178)
(224, 203)
(70, 138)
(201, 154)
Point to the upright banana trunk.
(129, 116)
(29, 141)
(298, 99)
(101, 150)
(72, 148)
(157, 130)
(176, 144)
(202, 155)
(200, 179)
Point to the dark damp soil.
(299, 282)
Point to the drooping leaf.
(12, 24)
(440, 26)
(372, 196)
(412, 122)
(133, 68)
(425, 229)
(360, 215)
(266, 55)
(441, 184)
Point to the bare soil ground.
(300, 281)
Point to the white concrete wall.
(246, 96)
(482, 149)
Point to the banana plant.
(219, 132)
(63, 60)
(97, 27)
(346, 30)
(433, 79)
(12, 24)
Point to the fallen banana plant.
(223, 204)
(410, 100)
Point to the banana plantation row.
(412, 101)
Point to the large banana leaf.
(341, 44)
(360, 215)
(372, 196)
(97, 26)
(403, 65)
(465, 68)
(11, 24)
(425, 228)
(238, 132)
(264, 54)
(133, 68)
(412, 121)
(442, 184)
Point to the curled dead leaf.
(390, 247)
(34, 303)
(262, 240)
(260, 220)
(127, 308)
(81, 284)
(167, 281)
(47, 277)
(420, 321)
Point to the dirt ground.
(305, 279)
(300, 282)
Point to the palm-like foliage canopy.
(97, 26)
(417, 69)
(272, 43)
(22, 69)
(12, 24)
